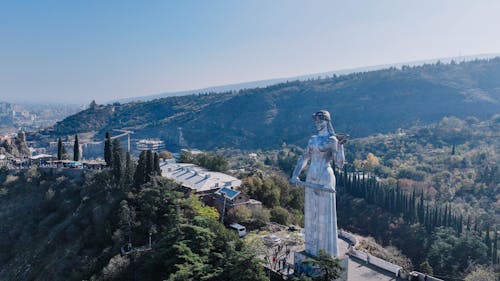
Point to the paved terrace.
(358, 270)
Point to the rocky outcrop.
(15, 146)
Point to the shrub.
(279, 215)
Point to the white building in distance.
(149, 144)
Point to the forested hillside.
(56, 227)
(361, 104)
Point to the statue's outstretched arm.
(301, 164)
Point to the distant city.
(32, 117)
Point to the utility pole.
(223, 209)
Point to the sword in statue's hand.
(314, 186)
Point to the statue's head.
(321, 115)
(323, 120)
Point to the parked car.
(271, 239)
(240, 229)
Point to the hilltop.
(361, 104)
(269, 82)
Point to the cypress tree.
(449, 216)
(487, 240)
(149, 165)
(435, 221)
(116, 149)
(108, 157)
(129, 169)
(116, 162)
(460, 225)
(140, 170)
(441, 218)
(59, 149)
(421, 215)
(428, 223)
(156, 166)
(413, 206)
(445, 216)
(117, 167)
(76, 149)
(494, 257)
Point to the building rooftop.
(228, 192)
(198, 178)
(42, 156)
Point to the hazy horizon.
(74, 52)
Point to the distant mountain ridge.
(268, 82)
(260, 118)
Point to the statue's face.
(320, 124)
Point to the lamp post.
(150, 233)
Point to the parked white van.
(240, 229)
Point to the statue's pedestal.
(312, 270)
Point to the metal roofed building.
(226, 198)
(198, 179)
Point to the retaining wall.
(378, 262)
(421, 276)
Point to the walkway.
(360, 271)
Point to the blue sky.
(76, 51)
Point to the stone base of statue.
(302, 265)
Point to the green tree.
(426, 268)
(449, 253)
(129, 169)
(108, 154)
(76, 149)
(59, 149)
(149, 164)
(186, 157)
(239, 213)
(156, 165)
(329, 267)
(242, 265)
(140, 170)
(279, 215)
(117, 167)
